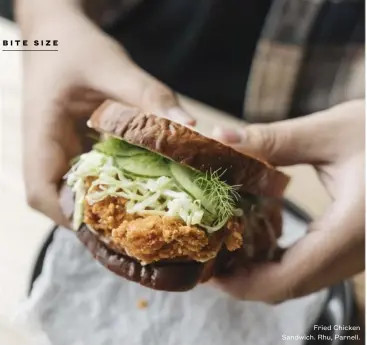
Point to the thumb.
(122, 80)
(288, 142)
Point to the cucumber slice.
(184, 177)
(118, 148)
(146, 165)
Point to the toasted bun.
(163, 276)
(188, 147)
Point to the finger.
(122, 80)
(49, 140)
(81, 102)
(288, 142)
(320, 259)
(41, 187)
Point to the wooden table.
(23, 230)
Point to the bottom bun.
(164, 275)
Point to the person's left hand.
(333, 249)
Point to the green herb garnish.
(222, 196)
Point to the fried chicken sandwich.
(162, 205)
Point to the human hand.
(333, 248)
(62, 88)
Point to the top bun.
(188, 147)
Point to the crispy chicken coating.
(153, 238)
(234, 240)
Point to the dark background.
(6, 9)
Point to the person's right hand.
(63, 87)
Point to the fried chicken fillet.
(154, 238)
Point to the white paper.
(76, 301)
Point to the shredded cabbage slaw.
(146, 196)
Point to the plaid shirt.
(310, 56)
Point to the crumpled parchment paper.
(76, 301)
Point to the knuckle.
(33, 198)
(268, 140)
(159, 94)
(261, 139)
(290, 292)
(294, 290)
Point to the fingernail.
(230, 136)
(180, 116)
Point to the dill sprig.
(220, 195)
